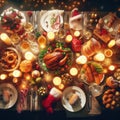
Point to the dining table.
(57, 60)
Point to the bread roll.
(73, 99)
(6, 96)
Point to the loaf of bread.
(73, 99)
(6, 96)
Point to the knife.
(89, 106)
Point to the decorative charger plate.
(10, 59)
(52, 20)
(13, 95)
(80, 102)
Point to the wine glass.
(96, 90)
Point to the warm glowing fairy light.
(61, 86)
(23, 85)
(48, 77)
(27, 76)
(15, 80)
(77, 54)
(81, 59)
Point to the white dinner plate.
(47, 17)
(13, 95)
(80, 102)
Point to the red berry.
(49, 87)
(45, 33)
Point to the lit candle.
(68, 38)
(3, 76)
(73, 71)
(111, 43)
(99, 57)
(108, 52)
(17, 73)
(81, 59)
(29, 56)
(56, 81)
(5, 38)
(50, 36)
(111, 67)
(42, 42)
(77, 33)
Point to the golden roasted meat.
(55, 59)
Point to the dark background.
(58, 115)
(85, 5)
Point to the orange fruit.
(108, 52)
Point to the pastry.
(26, 66)
(90, 47)
(111, 98)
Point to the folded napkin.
(95, 107)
